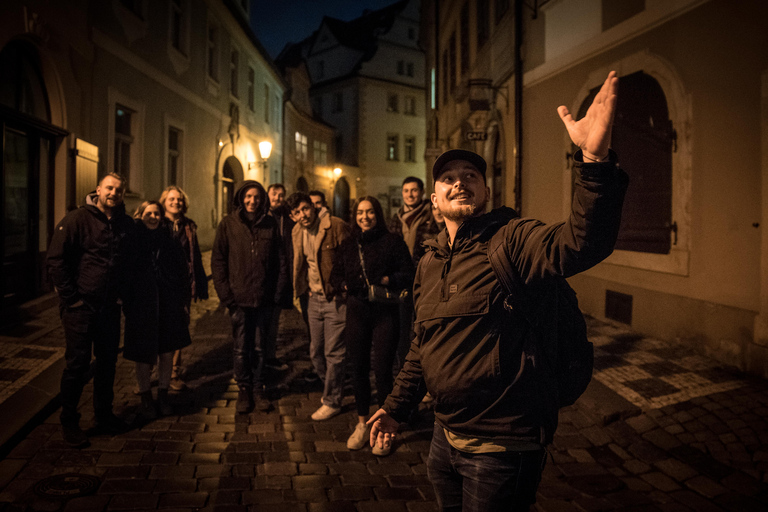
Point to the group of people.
(272, 249)
(494, 392)
(102, 261)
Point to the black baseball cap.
(458, 154)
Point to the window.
(251, 89)
(410, 106)
(301, 147)
(338, 101)
(464, 39)
(213, 53)
(452, 63)
(320, 152)
(266, 103)
(410, 149)
(174, 155)
(644, 137)
(392, 103)
(483, 22)
(234, 73)
(409, 69)
(501, 8)
(123, 140)
(392, 147)
(177, 25)
(400, 67)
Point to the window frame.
(234, 71)
(409, 141)
(213, 51)
(135, 174)
(393, 150)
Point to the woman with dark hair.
(184, 230)
(156, 307)
(371, 256)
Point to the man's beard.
(464, 211)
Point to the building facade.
(167, 92)
(691, 128)
(367, 80)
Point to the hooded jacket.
(468, 350)
(246, 261)
(87, 254)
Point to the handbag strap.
(362, 263)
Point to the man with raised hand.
(495, 410)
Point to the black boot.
(147, 409)
(261, 402)
(163, 404)
(244, 399)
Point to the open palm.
(592, 133)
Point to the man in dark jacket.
(248, 272)
(279, 210)
(86, 263)
(317, 236)
(495, 405)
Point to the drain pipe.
(518, 106)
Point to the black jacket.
(384, 253)
(87, 255)
(468, 350)
(246, 261)
(285, 227)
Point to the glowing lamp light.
(337, 172)
(265, 149)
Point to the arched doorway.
(27, 185)
(341, 199)
(231, 177)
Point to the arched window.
(21, 86)
(644, 139)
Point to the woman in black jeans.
(372, 255)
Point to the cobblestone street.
(680, 434)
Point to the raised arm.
(592, 133)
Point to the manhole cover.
(66, 486)
(596, 485)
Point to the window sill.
(676, 262)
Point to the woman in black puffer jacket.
(371, 325)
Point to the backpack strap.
(518, 298)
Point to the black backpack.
(553, 312)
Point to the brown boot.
(244, 399)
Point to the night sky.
(277, 22)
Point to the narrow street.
(659, 428)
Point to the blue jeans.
(326, 345)
(483, 482)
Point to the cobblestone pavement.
(689, 436)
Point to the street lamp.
(265, 149)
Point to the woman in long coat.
(184, 231)
(371, 255)
(156, 307)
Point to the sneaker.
(325, 412)
(110, 425)
(177, 384)
(74, 436)
(359, 437)
(147, 408)
(382, 452)
(276, 365)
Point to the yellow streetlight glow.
(337, 172)
(265, 149)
